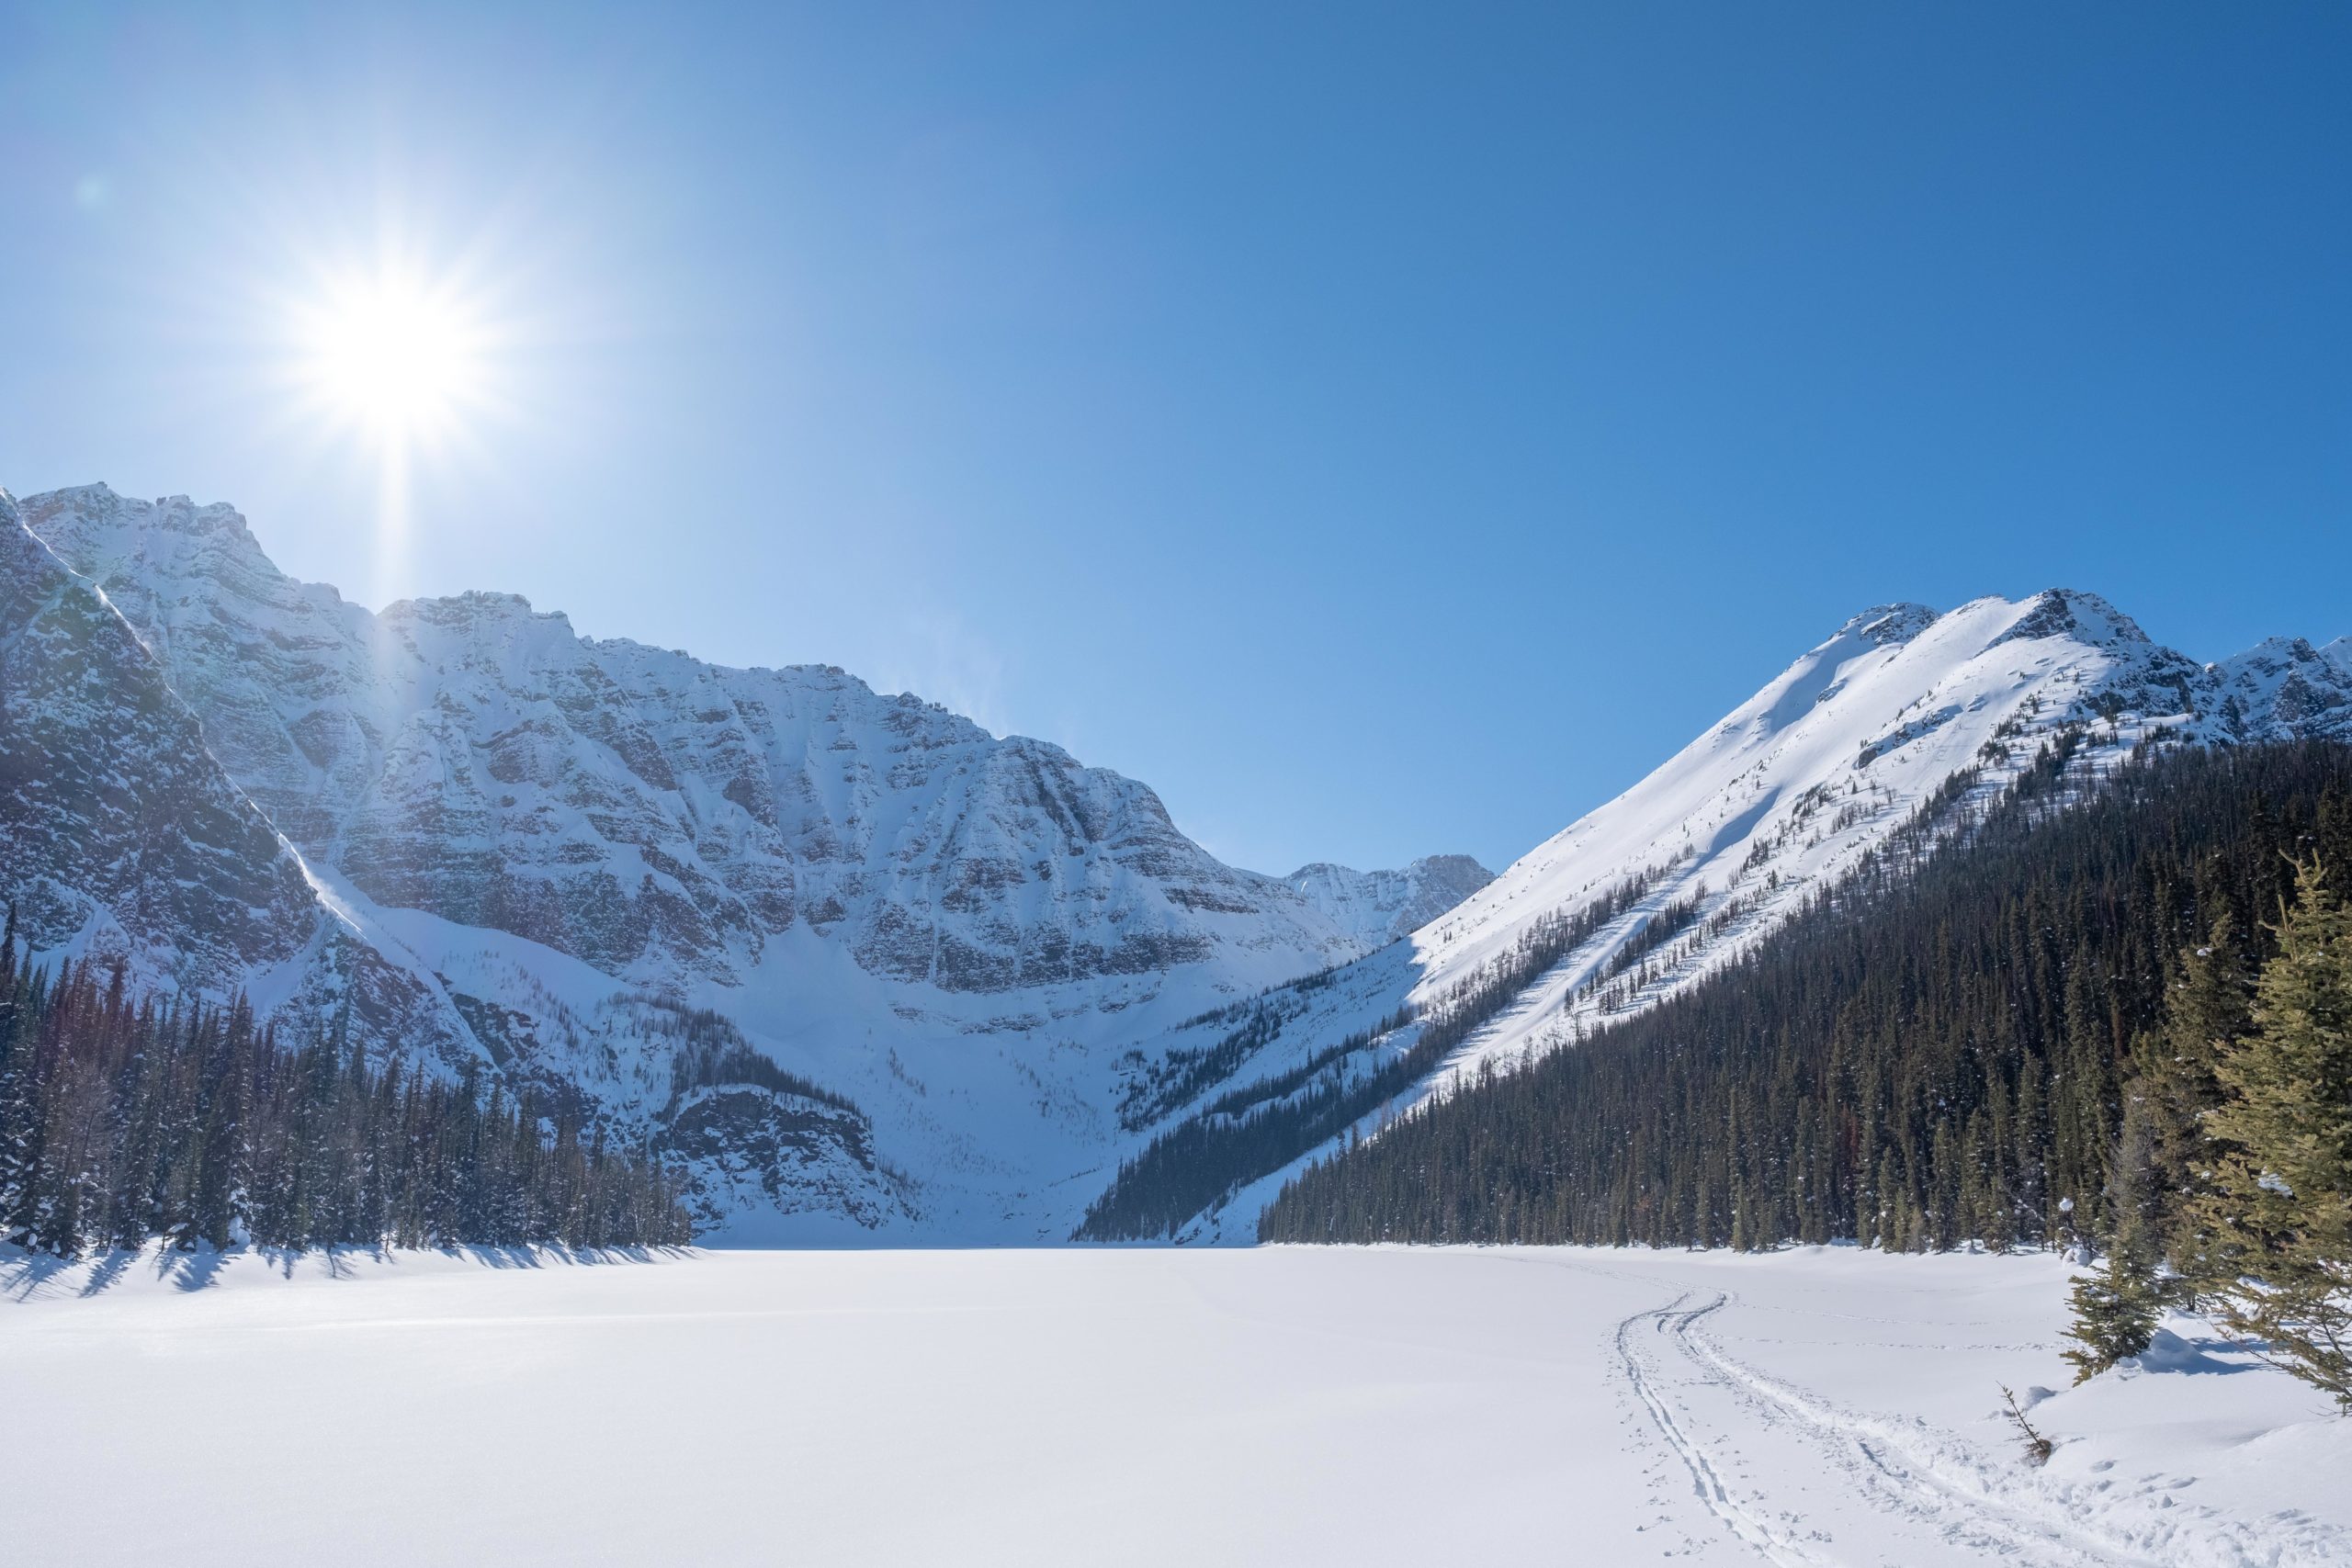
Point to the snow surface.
(1276, 1405)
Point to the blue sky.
(1384, 429)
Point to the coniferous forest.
(2011, 1042)
(124, 1120)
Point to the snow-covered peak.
(1882, 623)
(2084, 618)
(2283, 685)
(472, 608)
(1802, 779)
(120, 839)
(1378, 906)
(94, 522)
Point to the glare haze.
(1384, 432)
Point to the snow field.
(1277, 1406)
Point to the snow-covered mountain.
(876, 972)
(1902, 711)
(611, 870)
(1375, 907)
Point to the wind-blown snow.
(1279, 1405)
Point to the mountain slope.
(643, 811)
(1937, 1056)
(1905, 713)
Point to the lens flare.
(394, 356)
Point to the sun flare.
(396, 357)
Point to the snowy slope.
(1795, 784)
(1375, 907)
(1284, 1405)
(557, 852)
(1722, 842)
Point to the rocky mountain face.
(1900, 719)
(464, 831)
(1375, 907)
(645, 812)
(121, 836)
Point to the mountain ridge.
(1379, 907)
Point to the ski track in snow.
(1706, 1481)
(1930, 1479)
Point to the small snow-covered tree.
(2116, 1312)
(2117, 1308)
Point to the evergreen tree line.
(2008, 1037)
(125, 1119)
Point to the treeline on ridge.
(124, 1120)
(1928, 1056)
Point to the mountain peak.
(1378, 906)
(1883, 624)
(2070, 612)
(94, 525)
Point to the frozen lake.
(1276, 1405)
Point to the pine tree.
(2206, 1006)
(2117, 1309)
(2279, 1261)
(2116, 1313)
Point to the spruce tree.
(2207, 1005)
(2116, 1313)
(2278, 1219)
(2117, 1309)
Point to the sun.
(392, 355)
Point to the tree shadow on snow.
(191, 1270)
(541, 1255)
(24, 1275)
(2171, 1352)
(105, 1269)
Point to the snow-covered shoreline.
(1275, 1405)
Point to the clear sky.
(1384, 429)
